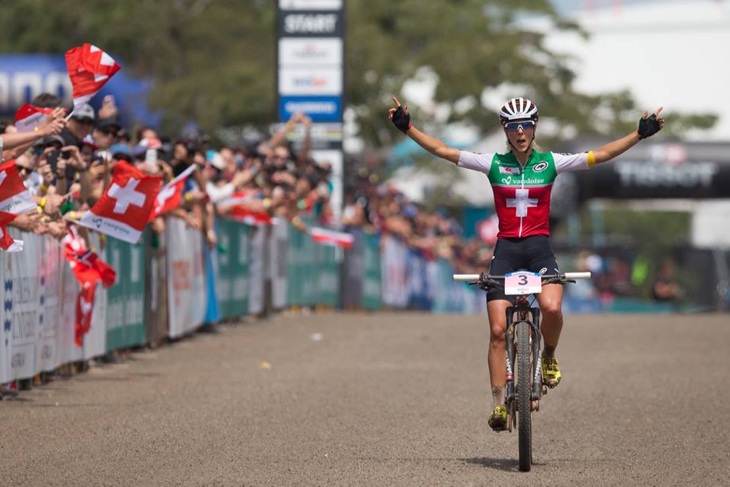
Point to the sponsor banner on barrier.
(187, 296)
(318, 108)
(257, 270)
(394, 273)
(310, 81)
(50, 269)
(309, 51)
(232, 276)
(125, 299)
(23, 306)
(278, 264)
(371, 272)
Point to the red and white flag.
(170, 195)
(241, 212)
(7, 243)
(125, 208)
(88, 269)
(14, 196)
(29, 117)
(330, 237)
(253, 218)
(89, 69)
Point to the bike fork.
(510, 340)
(537, 356)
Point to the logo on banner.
(321, 81)
(318, 108)
(323, 51)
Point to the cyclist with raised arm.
(522, 180)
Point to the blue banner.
(318, 108)
(24, 76)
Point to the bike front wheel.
(524, 399)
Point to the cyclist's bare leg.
(551, 301)
(497, 348)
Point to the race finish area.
(381, 399)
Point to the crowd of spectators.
(66, 165)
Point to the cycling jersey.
(522, 194)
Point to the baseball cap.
(120, 149)
(84, 112)
(215, 159)
(106, 123)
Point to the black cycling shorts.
(534, 254)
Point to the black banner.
(627, 179)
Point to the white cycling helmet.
(518, 109)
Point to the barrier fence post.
(155, 304)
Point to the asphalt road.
(382, 400)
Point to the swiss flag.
(254, 218)
(125, 208)
(29, 117)
(239, 210)
(89, 69)
(170, 195)
(330, 237)
(88, 269)
(14, 197)
(84, 313)
(6, 241)
(488, 229)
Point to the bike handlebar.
(568, 276)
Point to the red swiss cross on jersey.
(123, 211)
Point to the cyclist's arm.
(614, 149)
(434, 145)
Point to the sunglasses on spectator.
(23, 169)
(110, 132)
(514, 126)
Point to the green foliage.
(213, 61)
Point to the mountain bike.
(523, 347)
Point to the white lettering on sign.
(310, 24)
(655, 175)
(521, 202)
(126, 195)
(20, 87)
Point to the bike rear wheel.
(524, 400)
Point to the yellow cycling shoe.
(498, 419)
(550, 372)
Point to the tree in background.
(213, 61)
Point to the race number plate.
(522, 282)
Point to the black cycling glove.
(648, 126)
(401, 119)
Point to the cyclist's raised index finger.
(658, 111)
(395, 100)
